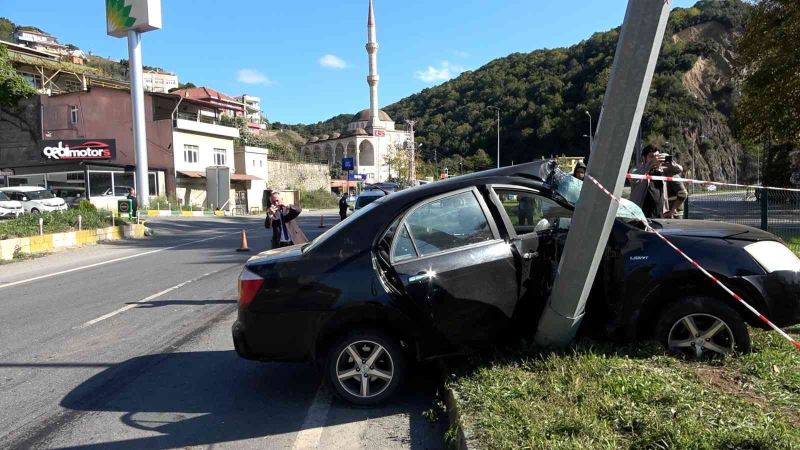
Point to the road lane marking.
(152, 297)
(316, 417)
(103, 263)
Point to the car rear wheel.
(366, 367)
(34, 211)
(703, 328)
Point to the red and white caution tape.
(633, 176)
(713, 278)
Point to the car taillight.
(249, 285)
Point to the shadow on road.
(203, 398)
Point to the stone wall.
(283, 175)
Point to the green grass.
(55, 222)
(597, 396)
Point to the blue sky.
(306, 58)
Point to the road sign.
(357, 177)
(348, 164)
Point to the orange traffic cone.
(244, 247)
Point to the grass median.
(54, 222)
(598, 396)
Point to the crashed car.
(460, 264)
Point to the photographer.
(676, 190)
(651, 196)
(281, 218)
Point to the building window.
(32, 79)
(190, 153)
(220, 157)
(261, 163)
(73, 115)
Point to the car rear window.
(365, 200)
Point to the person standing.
(134, 204)
(281, 218)
(650, 195)
(580, 170)
(343, 206)
(676, 190)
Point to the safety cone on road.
(244, 247)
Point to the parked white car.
(35, 199)
(9, 209)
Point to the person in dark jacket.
(134, 202)
(281, 218)
(343, 206)
(580, 170)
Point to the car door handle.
(421, 276)
(530, 255)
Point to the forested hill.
(544, 94)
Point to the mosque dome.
(365, 115)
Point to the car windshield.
(3, 197)
(326, 235)
(364, 200)
(569, 188)
(39, 195)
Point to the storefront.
(82, 169)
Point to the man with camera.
(652, 195)
(281, 218)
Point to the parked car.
(367, 197)
(35, 199)
(9, 209)
(460, 264)
(72, 195)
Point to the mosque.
(370, 136)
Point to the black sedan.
(460, 264)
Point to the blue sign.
(348, 164)
(357, 177)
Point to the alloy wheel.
(701, 336)
(364, 369)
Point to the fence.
(776, 211)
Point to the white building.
(251, 162)
(158, 81)
(39, 40)
(371, 135)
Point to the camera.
(668, 159)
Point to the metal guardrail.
(772, 210)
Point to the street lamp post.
(498, 132)
(591, 134)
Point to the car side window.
(443, 224)
(533, 213)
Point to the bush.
(54, 222)
(320, 199)
(86, 205)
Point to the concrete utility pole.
(631, 75)
(412, 173)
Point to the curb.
(462, 435)
(62, 241)
(165, 213)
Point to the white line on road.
(103, 263)
(311, 434)
(152, 297)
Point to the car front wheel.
(365, 367)
(34, 211)
(702, 328)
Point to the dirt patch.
(694, 82)
(723, 380)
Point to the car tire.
(702, 328)
(388, 368)
(34, 211)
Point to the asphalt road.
(127, 345)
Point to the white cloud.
(332, 62)
(444, 72)
(250, 76)
(461, 54)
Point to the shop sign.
(79, 149)
(132, 15)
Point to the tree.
(767, 64)
(13, 87)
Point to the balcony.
(202, 124)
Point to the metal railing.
(772, 210)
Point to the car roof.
(22, 189)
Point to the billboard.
(79, 149)
(137, 15)
(218, 187)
